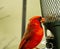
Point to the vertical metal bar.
(41, 7)
(23, 17)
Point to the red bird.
(33, 34)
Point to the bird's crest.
(35, 17)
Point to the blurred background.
(11, 21)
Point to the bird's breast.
(38, 34)
(38, 31)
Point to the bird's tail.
(22, 44)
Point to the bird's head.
(39, 18)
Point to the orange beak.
(43, 20)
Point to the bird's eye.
(40, 18)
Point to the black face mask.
(39, 19)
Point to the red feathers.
(33, 34)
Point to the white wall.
(33, 8)
(10, 26)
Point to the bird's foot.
(37, 48)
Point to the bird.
(33, 33)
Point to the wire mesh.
(50, 7)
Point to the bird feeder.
(52, 8)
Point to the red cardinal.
(33, 34)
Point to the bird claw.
(37, 48)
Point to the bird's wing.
(27, 35)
